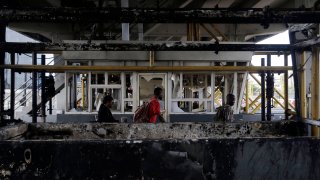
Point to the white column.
(235, 89)
(123, 91)
(213, 82)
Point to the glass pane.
(197, 86)
(208, 108)
(217, 98)
(190, 106)
(128, 106)
(199, 80)
(83, 93)
(116, 94)
(97, 78)
(176, 92)
(114, 78)
(97, 98)
(129, 89)
(147, 85)
(98, 95)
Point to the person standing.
(154, 106)
(104, 114)
(225, 112)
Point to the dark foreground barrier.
(233, 158)
(241, 150)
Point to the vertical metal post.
(315, 89)
(286, 86)
(74, 92)
(269, 88)
(50, 106)
(295, 77)
(34, 89)
(247, 95)
(2, 79)
(225, 89)
(303, 86)
(12, 87)
(43, 94)
(263, 93)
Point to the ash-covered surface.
(124, 131)
(224, 158)
(158, 151)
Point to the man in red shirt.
(154, 106)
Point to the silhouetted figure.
(225, 112)
(104, 114)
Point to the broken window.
(191, 92)
(114, 78)
(97, 95)
(97, 78)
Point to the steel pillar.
(247, 95)
(43, 94)
(296, 80)
(2, 79)
(315, 90)
(286, 87)
(34, 89)
(303, 85)
(263, 91)
(12, 88)
(270, 87)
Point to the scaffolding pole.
(315, 90)
(12, 87)
(286, 87)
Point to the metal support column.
(263, 95)
(74, 91)
(270, 86)
(295, 77)
(12, 87)
(43, 94)
(315, 90)
(2, 61)
(247, 95)
(303, 86)
(286, 86)
(34, 89)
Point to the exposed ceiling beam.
(141, 46)
(128, 15)
(158, 25)
(60, 69)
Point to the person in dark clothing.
(225, 112)
(104, 114)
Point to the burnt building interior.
(59, 58)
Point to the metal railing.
(22, 88)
